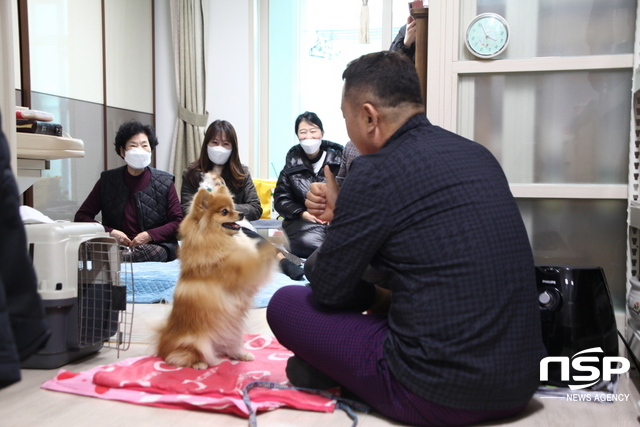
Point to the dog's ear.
(202, 200)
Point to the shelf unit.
(35, 151)
(632, 330)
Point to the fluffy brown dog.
(220, 271)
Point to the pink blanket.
(149, 381)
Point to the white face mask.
(310, 146)
(137, 158)
(218, 155)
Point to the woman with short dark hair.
(139, 204)
(304, 164)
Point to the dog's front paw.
(200, 365)
(244, 356)
(266, 249)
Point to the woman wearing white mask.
(219, 154)
(139, 204)
(304, 165)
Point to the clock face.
(487, 35)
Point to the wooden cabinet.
(421, 15)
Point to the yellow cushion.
(265, 187)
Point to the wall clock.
(487, 35)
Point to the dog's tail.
(184, 357)
(189, 350)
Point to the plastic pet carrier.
(83, 284)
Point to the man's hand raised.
(321, 197)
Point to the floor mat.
(155, 281)
(149, 381)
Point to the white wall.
(65, 43)
(129, 72)
(228, 79)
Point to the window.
(565, 127)
(554, 110)
(310, 45)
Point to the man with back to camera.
(460, 342)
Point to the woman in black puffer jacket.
(304, 164)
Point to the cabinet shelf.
(35, 151)
(47, 147)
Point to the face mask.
(137, 158)
(310, 146)
(218, 155)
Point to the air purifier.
(577, 314)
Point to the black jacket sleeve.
(283, 200)
(187, 191)
(398, 44)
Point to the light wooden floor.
(25, 404)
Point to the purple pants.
(348, 347)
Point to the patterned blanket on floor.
(149, 381)
(154, 282)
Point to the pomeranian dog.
(221, 269)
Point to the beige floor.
(25, 404)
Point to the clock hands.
(486, 35)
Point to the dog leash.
(346, 405)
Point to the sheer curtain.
(188, 29)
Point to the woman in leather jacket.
(304, 165)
